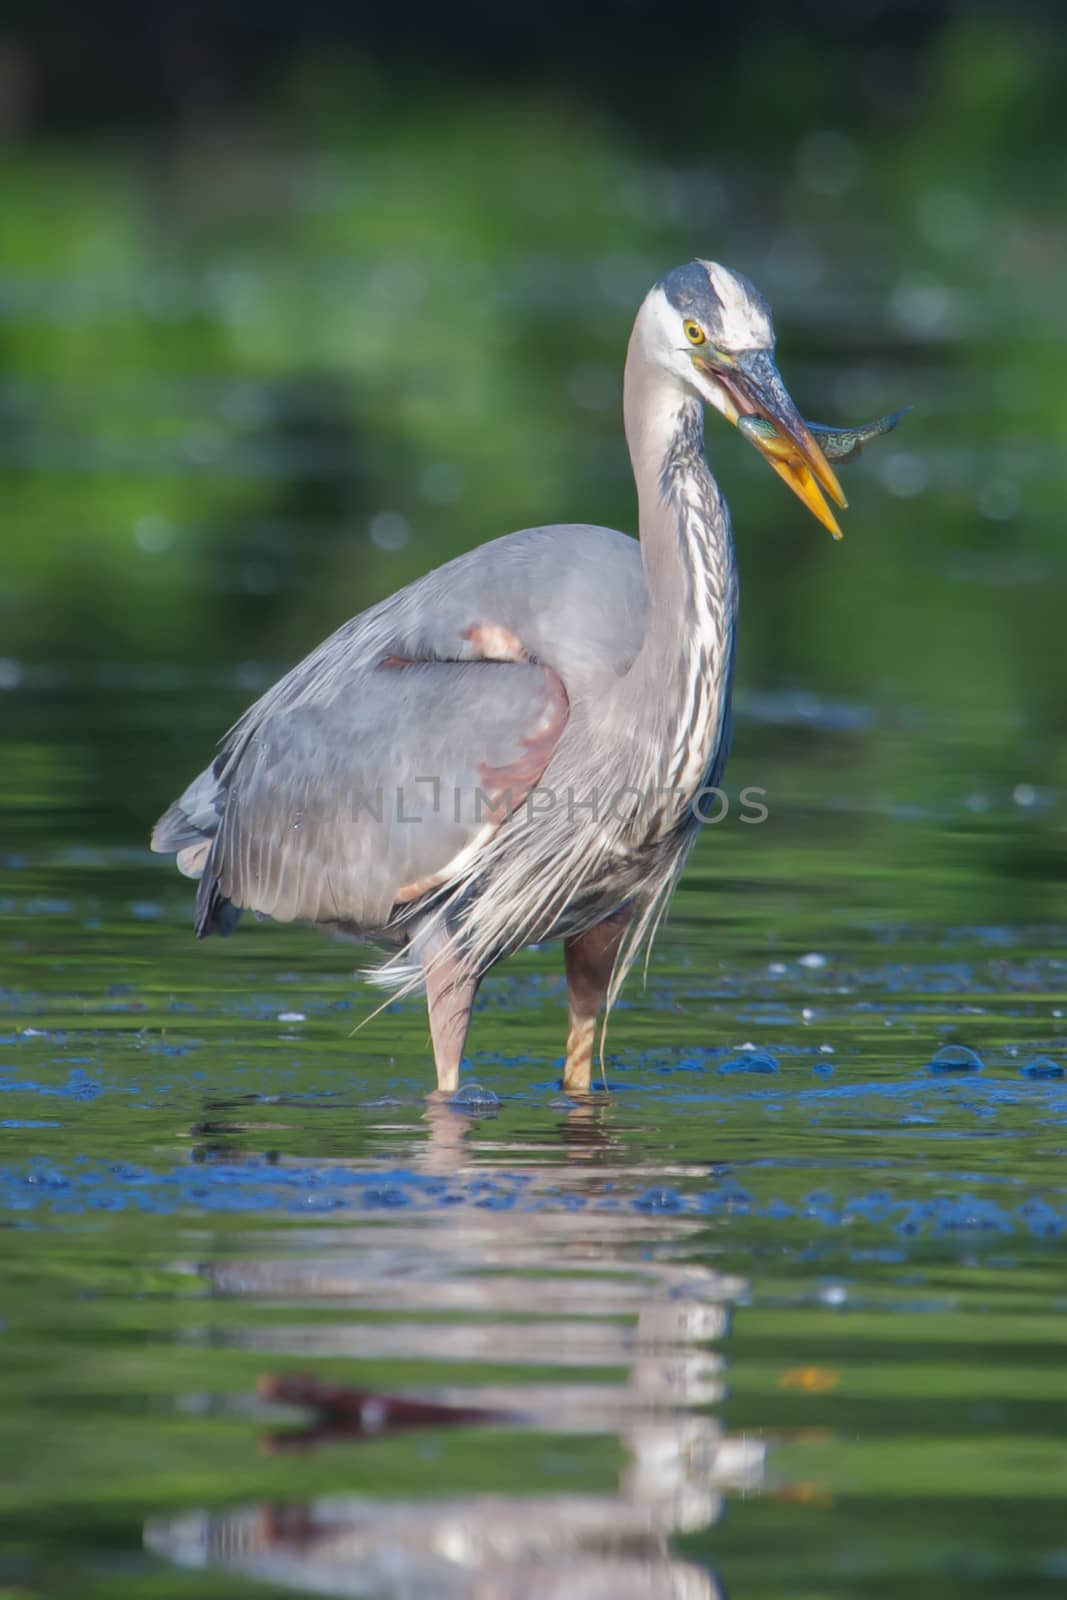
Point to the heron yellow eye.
(695, 333)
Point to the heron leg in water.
(589, 960)
(449, 999)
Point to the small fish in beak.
(836, 444)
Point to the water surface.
(780, 1313)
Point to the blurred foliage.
(229, 346)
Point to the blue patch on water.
(79, 1086)
(264, 1186)
(660, 1200)
(756, 1061)
(956, 1058)
(471, 1099)
(1042, 1067)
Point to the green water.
(795, 1332)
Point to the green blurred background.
(296, 302)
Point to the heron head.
(711, 330)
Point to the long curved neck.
(685, 667)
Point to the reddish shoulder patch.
(507, 786)
(489, 641)
(415, 891)
(483, 641)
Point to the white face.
(724, 309)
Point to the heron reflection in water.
(521, 1288)
(547, 709)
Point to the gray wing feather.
(288, 820)
(574, 595)
(335, 810)
(193, 816)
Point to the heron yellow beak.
(798, 470)
(755, 388)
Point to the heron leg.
(450, 998)
(589, 959)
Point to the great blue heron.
(514, 747)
